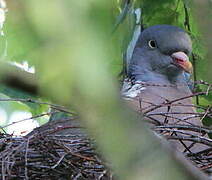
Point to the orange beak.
(181, 59)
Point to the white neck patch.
(130, 90)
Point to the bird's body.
(157, 87)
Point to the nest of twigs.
(58, 150)
(202, 159)
(46, 155)
(184, 131)
(51, 153)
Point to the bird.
(156, 85)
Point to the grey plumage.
(156, 76)
(154, 64)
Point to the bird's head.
(162, 51)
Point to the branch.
(14, 77)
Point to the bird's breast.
(166, 106)
(161, 103)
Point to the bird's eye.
(152, 44)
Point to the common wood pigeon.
(157, 85)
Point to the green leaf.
(22, 38)
(15, 95)
(207, 121)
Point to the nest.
(61, 150)
(46, 156)
(202, 159)
(183, 130)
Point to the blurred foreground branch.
(79, 76)
(17, 78)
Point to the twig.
(58, 162)
(186, 127)
(33, 117)
(196, 139)
(173, 101)
(26, 164)
(54, 106)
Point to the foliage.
(77, 57)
